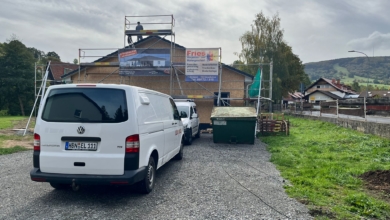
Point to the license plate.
(83, 146)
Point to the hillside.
(353, 69)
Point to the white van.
(104, 134)
(190, 119)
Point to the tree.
(1, 50)
(76, 61)
(53, 56)
(355, 86)
(38, 54)
(16, 77)
(263, 44)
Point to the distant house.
(326, 90)
(293, 97)
(58, 69)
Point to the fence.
(352, 107)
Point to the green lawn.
(11, 150)
(323, 161)
(349, 81)
(341, 69)
(8, 121)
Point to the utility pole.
(270, 85)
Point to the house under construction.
(157, 63)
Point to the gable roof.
(293, 96)
(339, 87)
(162, 39)
(327, 93)
(57, 69)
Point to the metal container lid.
(233, 112)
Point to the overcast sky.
(316, 29)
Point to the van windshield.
(92, 105)
(183, 109)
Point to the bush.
(4, 113)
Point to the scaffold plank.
(149, 32)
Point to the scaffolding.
(178, 88)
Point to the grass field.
(11, 150)
(7, 123)
(323, 161)
(341, 69)
(348, 80)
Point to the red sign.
(128, 53)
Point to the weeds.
(322, 162)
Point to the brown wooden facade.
(233, 81)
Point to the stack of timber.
(272, 123)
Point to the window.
(318, 87)
(93, 105)
(191, 112)
(183, 109)
(176, 115)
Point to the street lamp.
(368, 78)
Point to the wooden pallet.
(208, 130)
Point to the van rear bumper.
(130, 177)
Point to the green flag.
(255, 87)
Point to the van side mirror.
(194, 115)
(183, 114)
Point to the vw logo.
(81, 130)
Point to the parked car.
(104, 134)
(190, 119)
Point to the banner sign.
(144, 62)
(202, 65)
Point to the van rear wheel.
(147, 184)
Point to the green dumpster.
(234, 125)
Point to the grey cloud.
(310, 26)
(375, 40)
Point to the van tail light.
(132, 144)
(37, 142)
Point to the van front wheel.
(179, 155)
(147, 184)
(189, 138)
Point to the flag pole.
(258, 97)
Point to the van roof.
(101, 85)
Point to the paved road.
(213, 181)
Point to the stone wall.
(375, 128)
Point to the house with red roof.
(58, 69)
(327, 90)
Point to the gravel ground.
(213, 181)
